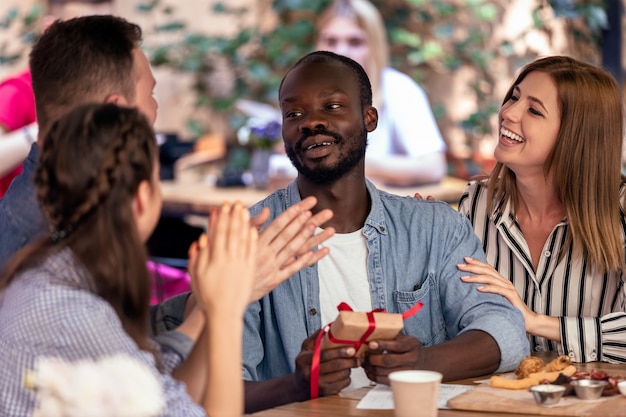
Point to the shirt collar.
(375, 218)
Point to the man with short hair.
(17, 103)
(82, 60)
(389, 252)
(98, 59)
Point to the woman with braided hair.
(82, 292)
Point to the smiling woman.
(529, 125)
(551, 214)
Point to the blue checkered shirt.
(49, 311)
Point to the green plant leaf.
(405, 37)
(486, 12)
(171, 27)
(147, 7)
(32, 15)
(9, 18)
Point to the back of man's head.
(82, 60)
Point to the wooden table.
(344, 405)
(199, 198)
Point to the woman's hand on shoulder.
(493, 282)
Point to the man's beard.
(348, 158)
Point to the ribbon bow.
(317, 350)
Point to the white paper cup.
(415, 393)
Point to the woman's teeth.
(511, 135)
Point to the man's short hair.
(365, 87)
(82, 60)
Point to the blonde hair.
(369, 19)
(585, 163)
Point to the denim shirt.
(414, 247)
(21, 219)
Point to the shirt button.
(538, 348)
(571, 354)
(547, 254)
(382, 228)
(313, 311)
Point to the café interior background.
(464, 96)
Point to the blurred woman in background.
(406, 148)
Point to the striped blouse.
(591, 306)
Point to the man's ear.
(118, 99)
(371, 118)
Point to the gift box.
(353, 328)
(357, 328)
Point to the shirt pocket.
(428, 324)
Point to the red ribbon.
(317, 351)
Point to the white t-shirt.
(343, 278)
(406, 124)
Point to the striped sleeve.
(589, 339)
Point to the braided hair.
(90, 166)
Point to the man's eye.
(333, 106)
(292, 114)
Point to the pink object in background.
(167, 281)
(17, 109)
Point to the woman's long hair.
(368, 18)
(90, 167)
(585, 163)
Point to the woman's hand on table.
(287, 244)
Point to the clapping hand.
(287, 244)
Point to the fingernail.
(468, 259)
(350, 351)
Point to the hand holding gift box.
(356, 329)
